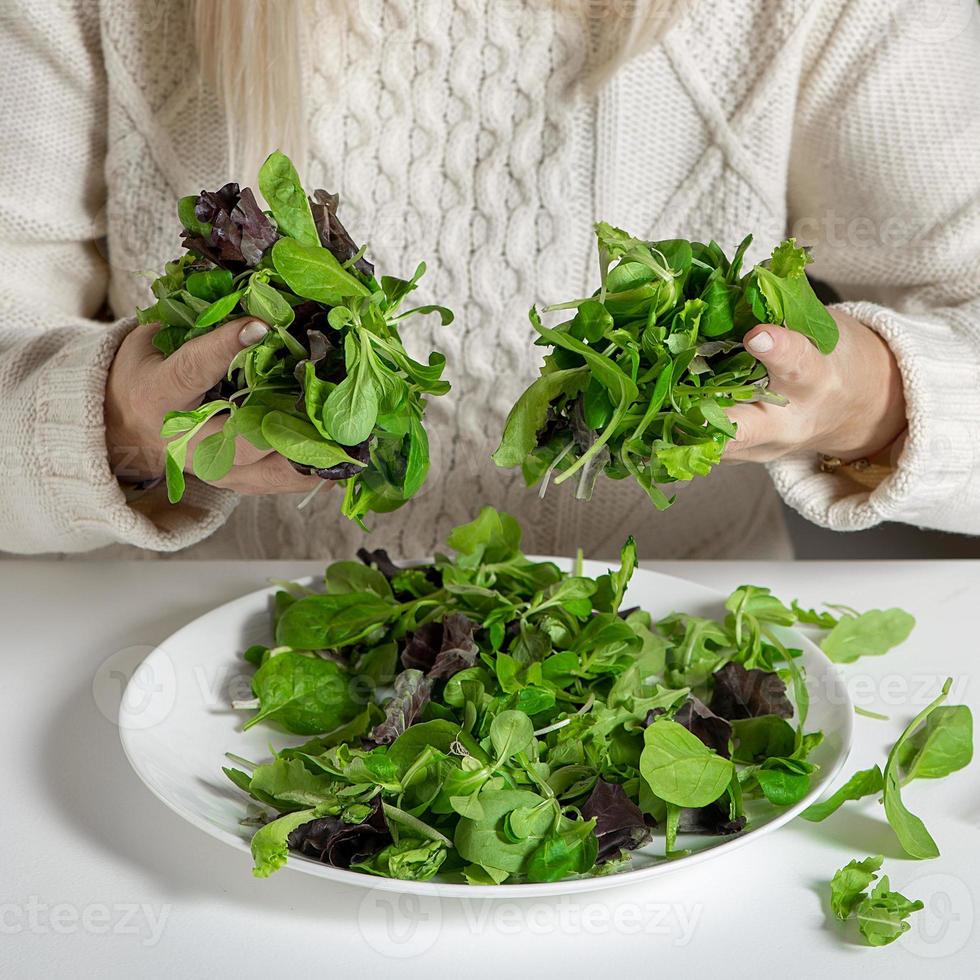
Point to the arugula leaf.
(882, 914)
(849, 884)
(910, 830)
(864, 782)
(941, 745)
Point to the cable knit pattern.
(447, 127)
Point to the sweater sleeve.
(58, 492)
(885, 183)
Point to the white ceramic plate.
(178, 749)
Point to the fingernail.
(761, 343)
(252, 333)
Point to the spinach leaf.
(218, 310)
(679, 768)
(486, 841)
(215, 455)
(312, 272)
(325, 622)
(351, 409)
(280, 186)
(299, 441)
(306, 695)
(868, 635)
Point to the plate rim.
(129, 735)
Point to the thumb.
(789, 357)
(201, 363)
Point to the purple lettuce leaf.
(412, 692)
(619, 822)
(442, 649)
(712, 820)
(741, 693)
(240, 231)
(701, 721)
(333, 235)
(332, 841)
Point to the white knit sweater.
(444, 126)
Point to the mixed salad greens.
(636, 382)
(330, 387)
(882, 914)
(490, 718)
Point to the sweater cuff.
(83, 506)
(936, 463)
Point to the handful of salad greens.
(491, 718)
(637, 380)
(330, 387)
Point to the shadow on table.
(86, 775)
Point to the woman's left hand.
(847, 404)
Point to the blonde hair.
(254, 54)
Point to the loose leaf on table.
(941, 745)
(849, 884)
(868, 635)
(910, 830)
(864, 782)
(881, 915)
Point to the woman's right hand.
(143, 386)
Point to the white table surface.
(98, 878)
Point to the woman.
(485, 138)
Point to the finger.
(760, 434)
(245, 452)
(201, 363)
(139, 344)
(273, 474)
(791, 360)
